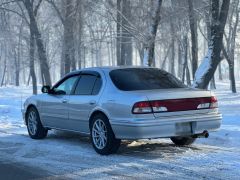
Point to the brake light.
(157, 106)
(214, 102)
(208, 103)
(142, 108)
(145, 107)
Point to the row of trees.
(41, 40)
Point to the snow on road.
(71, 156)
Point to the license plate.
(183, 128)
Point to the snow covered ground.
(71, 156)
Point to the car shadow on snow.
(147, 148)
(152, 149)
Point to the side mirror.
(46, 89)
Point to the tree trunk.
(220, 72)
(232, 44)
(188, 76)
(231, 70)
(84, 56)
(62, 63)
(118, 40)
(207, 68)
(17, 56)
(69, 49)
(4, 71)
(185, 70)
(79, 33)
(28, 80)
(149, 50)
(17, 68)
(31, 60)
(41, 50)
(179, 60)
(232, 77)
(194, 36)
(172, 59)
(126, 37)
(212, 83)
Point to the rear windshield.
(132, 79)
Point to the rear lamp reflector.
(157, 106)
(203, 106)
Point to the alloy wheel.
(32, 122)
(99, 134)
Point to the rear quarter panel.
(118, 104)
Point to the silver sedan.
(114, 103)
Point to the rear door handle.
(64, 101)
(92, 102)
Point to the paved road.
(18, 171)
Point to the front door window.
(66, 86)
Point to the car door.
(55, 106)
(84, 100)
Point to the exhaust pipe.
(204, 134)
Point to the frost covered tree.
(32, 10)
(206, 70)
(230, 38)
(44, 39)
(126, 37)
(149, 49)
(194, 35)
(66, 14)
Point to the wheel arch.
(27, 109)
(94, 113)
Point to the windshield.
(131, 79)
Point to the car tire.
(102, 136)
(34, 125)
(182, 141)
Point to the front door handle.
(64, 101)
(92, 102)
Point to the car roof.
(106, 68)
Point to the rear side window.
(85, 85)
(97, 86)
(88, 85)
(131, 79)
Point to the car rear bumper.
(166, 127)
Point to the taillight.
(208, 103)
(142, 108)
(145, 107)
(157, 106)
(214, 102)
(203, 106)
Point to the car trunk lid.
(179, 101)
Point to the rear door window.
(88, 84)
(85, 85)
(131, 79)
(97, 86)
